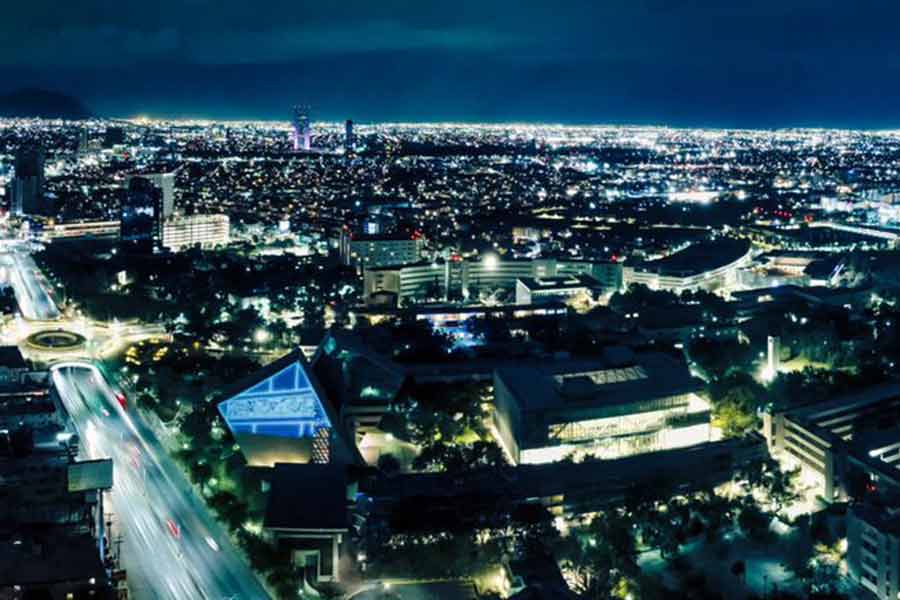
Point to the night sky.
(704, 62)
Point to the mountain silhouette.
(34, 102)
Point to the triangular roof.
(285, 394)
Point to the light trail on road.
(178, 549)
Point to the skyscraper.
(166, 184)
(26, 190)
(348, 135)
(141, 216)
(302, 135)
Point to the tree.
(388, 464)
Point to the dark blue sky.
(680, 62)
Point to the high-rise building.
(302, 135)
(26, 189)
(141, 216)
(348, 135)
(83, 141)
(166, 184)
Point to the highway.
(169, 538)
(30, 287)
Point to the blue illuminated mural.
(284, 404)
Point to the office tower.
(302, 135)
(348, 135)
(114, 136)
(26, 189)
(141, 216)
(166, 184)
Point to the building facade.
(417, 282)
(141, 216)
(370, 251)
(183, 232)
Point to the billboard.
(91, 475)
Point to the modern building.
(141, 216)
(823, 438)
(365, 250)
(608, 408)
(26, 189)
(301, 136)
(280, 415)
(181, 232)
(307, 515)
(166, 184)
(83, 229)
(873, 549)
(531, 290)
(707, 266)
(416, 282)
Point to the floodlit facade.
(873, 550)
(188, 231)
(705, 266)
(279, 415)
(467, 278)
(575, 410)
(380, 250)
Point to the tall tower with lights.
(302, 134)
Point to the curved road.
(179, 550)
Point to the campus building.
(621, 405)
(538, 290)
(706, 266)
(825, 438)
(416, 282)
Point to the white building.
(185, 232)
(708, 266)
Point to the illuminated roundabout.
(55, 340)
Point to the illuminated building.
(530, 290)
(97, 229)
(706, 266)
(141, 216)
(607, 408)
(26, 189)
(380, 250)
(873, 549)
(280, 415)
(467, 278)
(188, 231)
(301, 135)
(826, 438)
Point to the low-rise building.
(180, 232)
(707, 266)
(603, 408)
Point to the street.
(172, 547)
(29, 286)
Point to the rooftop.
(697, 258)
(307, 497)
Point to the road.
(30, 287)
(172, 547)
